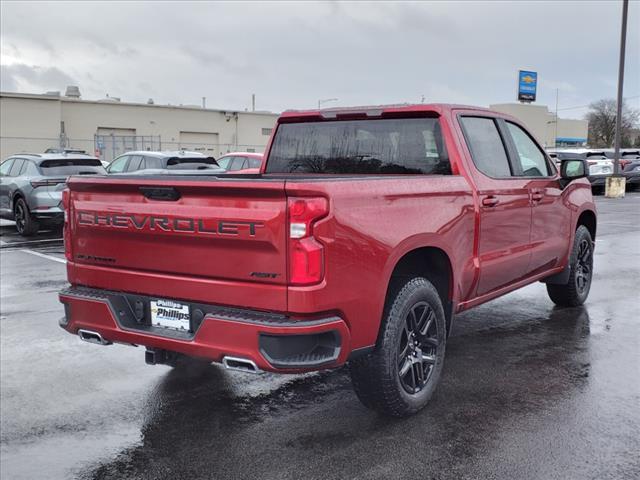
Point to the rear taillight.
(46, 183)
(66, 233)
(592, 162)
(306, 254)
(623, 163)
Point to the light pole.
(325, 100)
(614, 188)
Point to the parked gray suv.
(31, 187)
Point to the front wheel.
(576, 290)
(401, 374)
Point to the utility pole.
(555, 137)
(614, 188)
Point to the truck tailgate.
(219, 230)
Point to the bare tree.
(602, 122)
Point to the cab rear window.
(383, 146)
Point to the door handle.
(537, 196)
(490, 201)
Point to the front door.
(550, 220)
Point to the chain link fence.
(110, 146)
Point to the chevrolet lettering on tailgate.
(168, 224)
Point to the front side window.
(119, 164)
(530, 157)
(385, 146)
(485, 144)
(5, 167)
(225, 162)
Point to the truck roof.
(378, 110)
(166, 153)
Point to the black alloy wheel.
(26, 225)
(418, 348)
(20, 216)
(584, 266)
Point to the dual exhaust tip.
(92, 337)
(230, 363)
(240, 364)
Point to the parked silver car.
(138, 161)
(31, 187)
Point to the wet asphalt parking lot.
(528, 391)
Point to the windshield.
(65, 167)
(386, 146)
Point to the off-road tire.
(571, 294)
(376, 377)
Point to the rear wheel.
(401, 374)
(576, 290)
(26, 225)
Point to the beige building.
(33, 123)
(542, 123)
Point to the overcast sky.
(293, 54)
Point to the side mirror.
(572, 169)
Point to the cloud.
(290, 54)
(34, 78)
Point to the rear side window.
(254, 163)
(71, 166)
(485, 143)
(530, 157)
(238, 163)
(30, 169)
(135, 163)
(152, 162)
(17, 166)
(386, 146)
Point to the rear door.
(550, 219)
(505, 210)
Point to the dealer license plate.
(170, 314)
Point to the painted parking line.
(48, 257)
(30, 242)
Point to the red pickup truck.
(365, 232)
